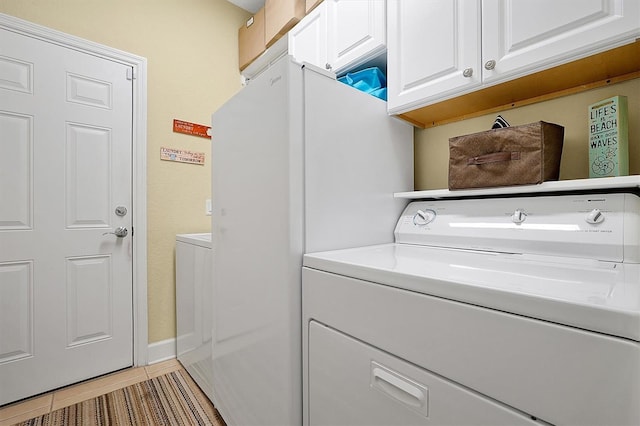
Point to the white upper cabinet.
(433, 50)
(439, 49)
(308, 39)
(355, 31)
(522, 37)
(340, 34)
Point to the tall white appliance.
(301, 163)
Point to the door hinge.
(130, 74)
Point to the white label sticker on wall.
(181, 156)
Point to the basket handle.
(494, 157)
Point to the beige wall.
(432, 145)
(191, 49)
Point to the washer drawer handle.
(400, 388)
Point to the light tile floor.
(43, 404)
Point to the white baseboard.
(162, 350)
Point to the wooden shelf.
(612, 66)
(604, 184)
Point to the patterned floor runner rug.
(164, 400)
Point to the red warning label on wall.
(194, 129)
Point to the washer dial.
(595, 216)
(424, 217)
(518, 216)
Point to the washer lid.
(593, 295)
(202, 240)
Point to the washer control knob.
(518, 216)
(595, 216)
(424, 217)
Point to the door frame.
(139, 160)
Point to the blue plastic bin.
(368, 80)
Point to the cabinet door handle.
(468, 72)
(489, 65)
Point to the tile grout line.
(146, 372)
(51, 402)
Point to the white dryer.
(494, 311)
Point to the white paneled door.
(65, 188)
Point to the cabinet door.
(430, 46)
(356, 32)
(308, 39)
(527, 36)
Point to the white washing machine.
(194, 306)
(494, 311)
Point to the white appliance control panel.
(595, 226)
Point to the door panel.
(65, 282)
(16, 166)
(88, 172)
(16, 75)
(17, 304)
(89, 302)
(88, 91)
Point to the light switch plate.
(207, 207)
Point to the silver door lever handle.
(119, 232)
